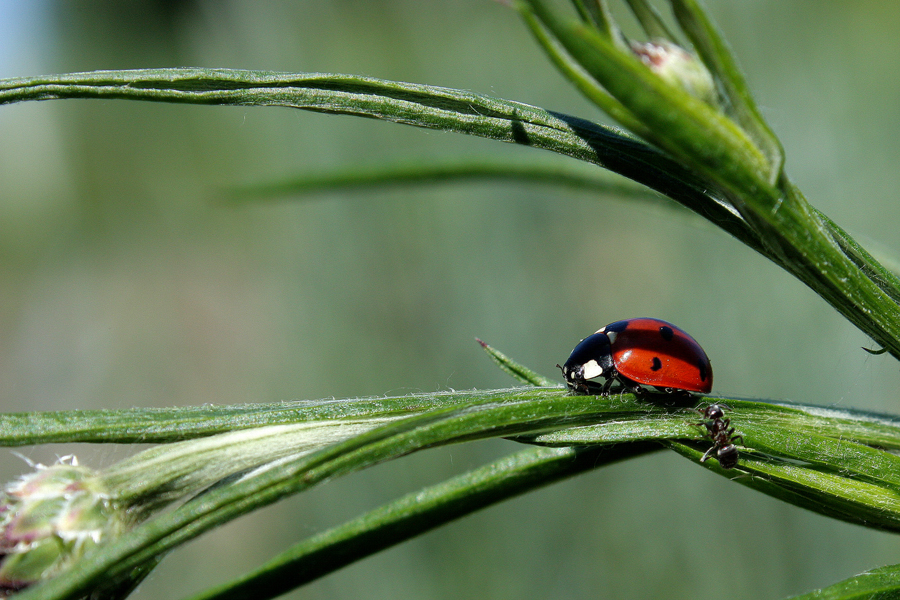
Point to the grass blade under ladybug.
(161, 425)
(519, 372)
(537, 410)
(654, 423)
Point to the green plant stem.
(582, 80)
(650, 20)
(816, 475)
(811, 250)
(222, 504)
(411, 104)
(417, 513)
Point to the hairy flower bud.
(48, 519)
(678, 67)
(53, 516)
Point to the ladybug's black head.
(590, 361)
(569, 374)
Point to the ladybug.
(719, 429)
(638, 352)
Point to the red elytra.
(639, 352)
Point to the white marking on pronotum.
(592, 369)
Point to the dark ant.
(718, 428)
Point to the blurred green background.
(125, 282)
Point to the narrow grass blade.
(598, 13)
(518, 372)
(417, 513)
(651, 21)
(416, 173)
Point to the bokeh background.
(124, 281)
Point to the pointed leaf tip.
(519, 372)
(875, 352)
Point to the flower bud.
(48, 519)
(677, 66)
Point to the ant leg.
(708, 454)
(710, 427)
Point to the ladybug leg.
(629, 385)
(604, 391)
(578, 386)
(675, 392)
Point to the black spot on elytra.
(666, 333)
(656, 365)
(702, 372)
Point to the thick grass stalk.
(818, 475)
